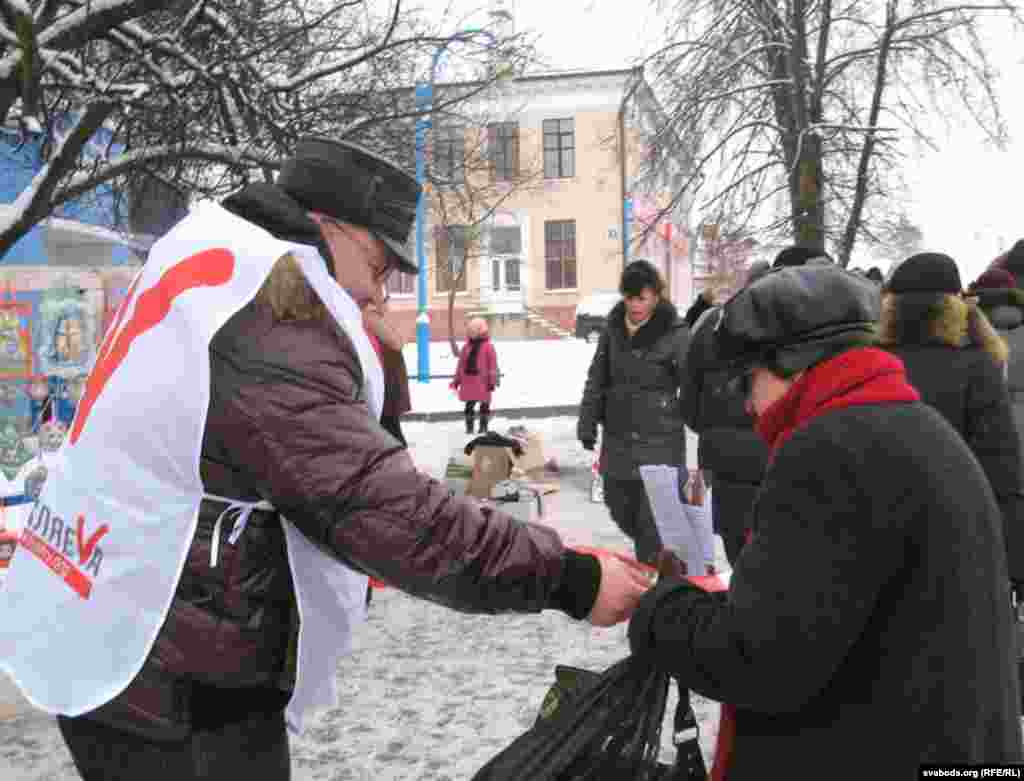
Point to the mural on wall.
(15, 336)
(48, 342)
(14, 451)
(65, 332)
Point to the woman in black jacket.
(864, 632)
(632, 390)
(955, 360)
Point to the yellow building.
(531, 204)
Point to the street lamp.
(424, 107)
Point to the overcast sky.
(968, 200)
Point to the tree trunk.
(805, 187)
(451, 322)
(808, 214)
(860, 194)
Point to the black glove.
(588, 444)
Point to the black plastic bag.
(597, 727)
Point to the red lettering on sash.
(86, 548)
(209, 268)
(56, 563)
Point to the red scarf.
(860, 376)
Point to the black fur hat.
(350, 183)
(925, 272)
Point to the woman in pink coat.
(477, 374)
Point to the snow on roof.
(86, 231)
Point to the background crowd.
(865, 464)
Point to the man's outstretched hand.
(622, 585)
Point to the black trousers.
(627, 502)
(485, 409)
(253, 748)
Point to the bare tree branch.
(826, 109)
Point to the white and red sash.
(102, 550)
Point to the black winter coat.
(867, 626)
(632, 390)
(1005, 310)
(967, 387)
(715, 408)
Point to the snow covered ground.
(428, 694)
(535, 373)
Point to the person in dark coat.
(955, 359)
(632, 391)
(387, 342)
(728, 450)
(1003, 303)
(702, 304)
(476, 375)
(865, 630)
(289, 423)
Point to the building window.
(512, 282)
(400, 284)
(449, 154)
(451, 258)
(559, 148)
(503, 149)
(560, 254)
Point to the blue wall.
(20, 161)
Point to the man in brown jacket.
(289, 423)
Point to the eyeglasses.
(380, 271)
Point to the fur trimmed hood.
(927, 318)
(664, 318)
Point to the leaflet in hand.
(684, 528)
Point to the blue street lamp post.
(424, 96)
(424, 107)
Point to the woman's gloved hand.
(670, 565)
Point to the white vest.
(101, 552)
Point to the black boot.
(470, 420)
(484, 420)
